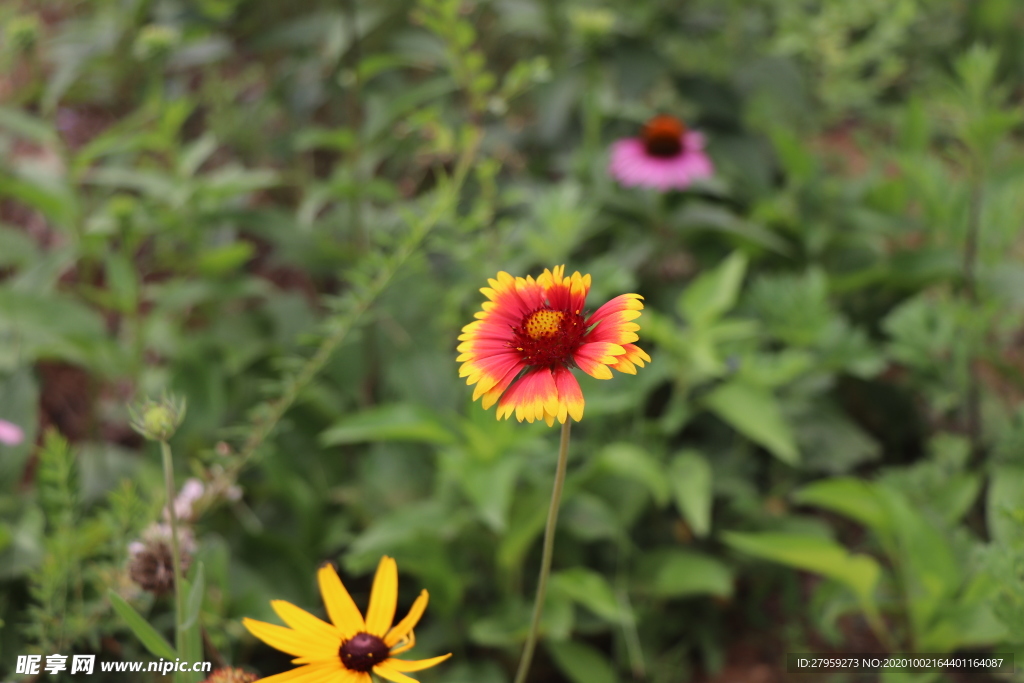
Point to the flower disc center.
(543, 323)
(362, 652)
(663, 136)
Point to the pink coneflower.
(665, 156)
(10, 434)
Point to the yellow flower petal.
(340, 607)
(327, 672)
(403, 627)
(417, 665)
(304, 622)
(287, 640)
(392, 675)
(383, 598)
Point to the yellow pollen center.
(544, 323)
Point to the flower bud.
(155, 42)
(23, 32)
(158, 420)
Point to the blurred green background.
(285, 210)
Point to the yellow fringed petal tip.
(349, 648)
(528, 336)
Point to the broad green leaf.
(590, 518)
(850, 497)
(689, 476)
(713, 293)
(681, 573)
(1005, 508)
(590, 589)
(582, 663)
(509, 625)
(629, 460)
(923, 557)
(50, 195)
(694, 216)
(153, 641)
(395, 422)
(16, 247)
(822, 556)
(196, 154)
(490, 485)
(122, 281)
(224, 259)
(754, 412)
(27, 126)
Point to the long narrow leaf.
(153, 641)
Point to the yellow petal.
(311, 673)
(286, 640)
(418, 665)
(403, 627)
(392, 675)
(305, 623)
(383, 598)
(340, 607)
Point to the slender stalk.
(545, 561)
(974, 426)
(179, 597)
(264, 425)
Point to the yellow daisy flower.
(348, 649)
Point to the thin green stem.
(179, 597)
(974, 427)
(263, 426)
(545, 561)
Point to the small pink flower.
(10, 434)
(665, 156)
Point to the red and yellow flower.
(531, 333)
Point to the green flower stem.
(179, 597)
(545, 562)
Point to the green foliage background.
(283, 212)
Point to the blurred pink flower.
(665, 156)
(10, 434)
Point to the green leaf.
(153, 641)
(582, 663)
(16, 247)
(196, 154)
(713, 293)
(754, 412)
(689, 476)
(122, 281)
(1005, 507)
(395, 422)
(510, 624)
(27, 126)
(681, 573)
(590, 589)
(194, 599)
(224, 259)
(815, 554)
(191, 635)
(633, 462)
(850, 497)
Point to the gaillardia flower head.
(349, 648)
(665, 156)
(532, 332)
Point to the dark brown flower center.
(663, 136)
(362, 652)
(547, 337)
